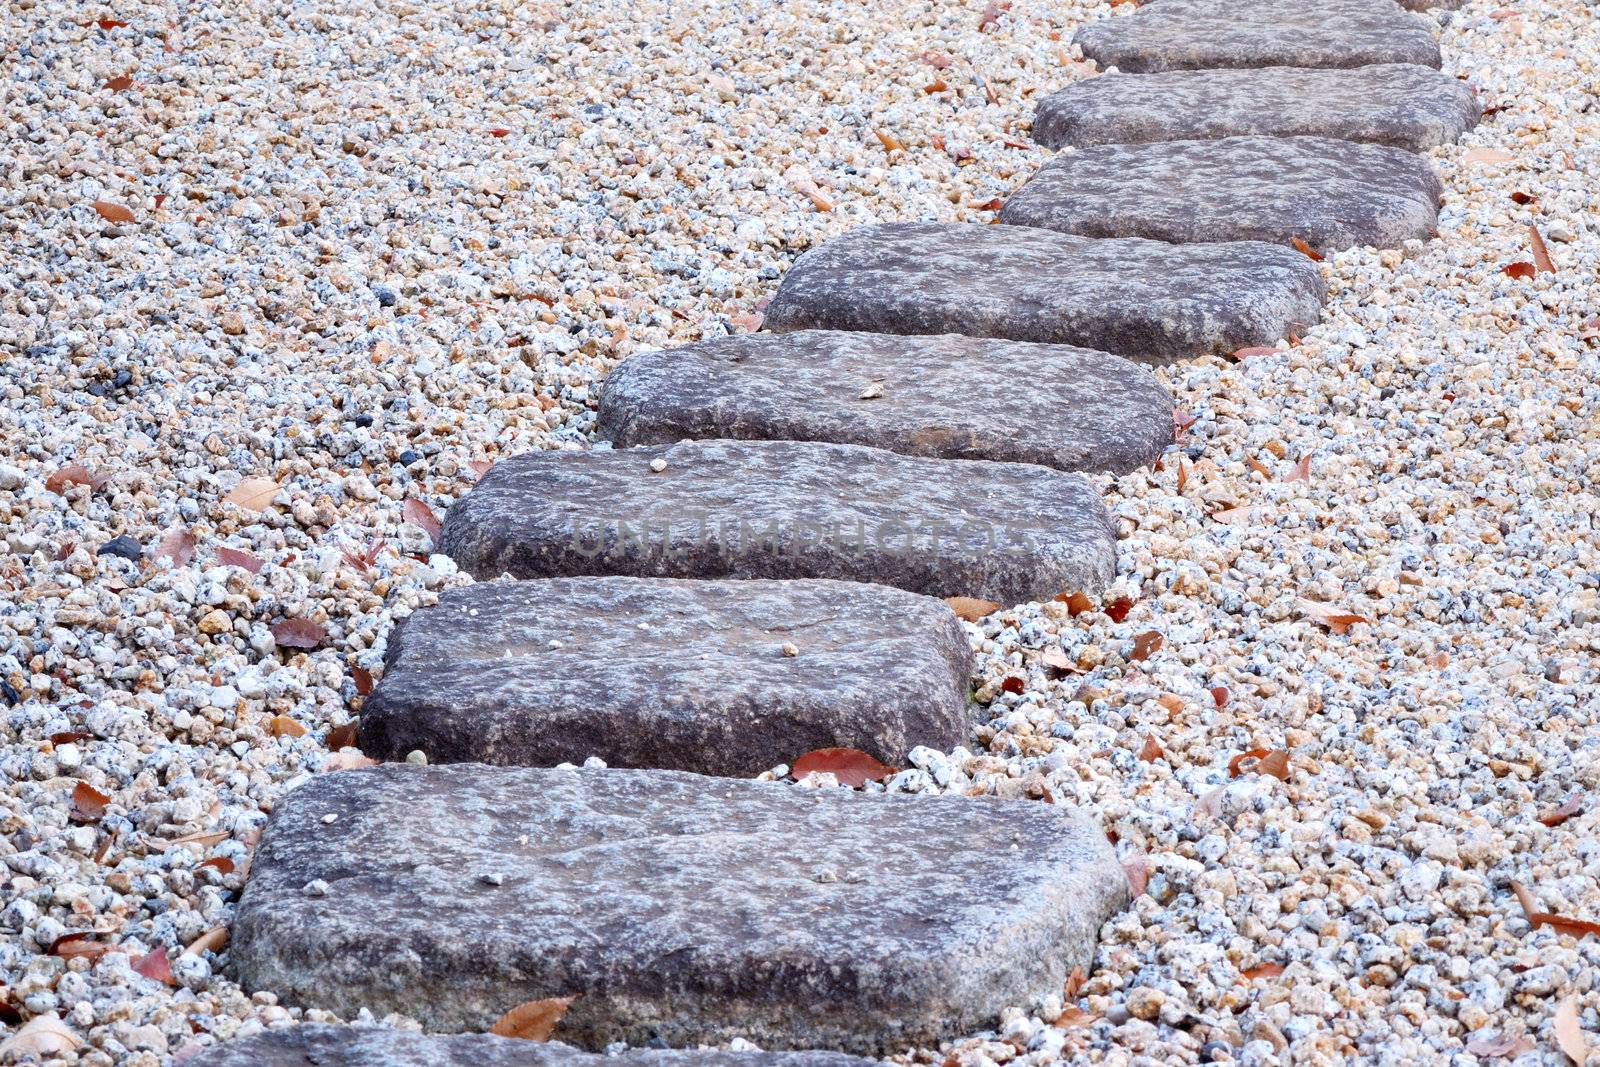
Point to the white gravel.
(374, 246)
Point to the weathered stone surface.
(1399, 104)
(1212, 34)
(1331, 194)
(654, 672)
(322, 1045)
(949, 396)
(1009, 532)
(689, 909)
(1146, 300)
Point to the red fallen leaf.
(177, 546)
(1242, 354)
(298, 633)
(119, 84)
(155, 966)
(222, 864)
(1519, 270)
(65, 550)
(340, 737)
(850, 766)
(78, 945)
(1072, 1017)
(75, 474)
(88, 803)
(1151, 750)
(1077, 603)
(1117, 610)
(1263, 970)
(1305, 250)
(988, 205)
(1012, 684)
(1236, 762)
(971, 608)
(1578, 928)
(1183, 476)
(234, 557)
(161, 198)
(1573, 805)
(364, 560)
(1181, 421)
(533, 1020)
(1301, 471)
(1520, 197)
(1275, 763)
(112, 212)
(70, 737)
(420, 514)
(991, 15)
(363, 679)
(936, 86)
(1138, 873)
(1330, 616)
(1145, 644)
(498, 132)
(936, 60)
(1541, 254)
(110, 24)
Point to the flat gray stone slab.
(672, 906)
(1331, 194)
(1145, 300)
(322, 1045)
(948, 396)
(1399, 104)
(1009, 532)
(1212, 34)
(661, 673)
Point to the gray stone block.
(653, 672)
(1145, 300)
(946, 396)
(1009, 532)
(1212, 34)
(689, 909)
(1331, 194)
(322, 1045)
(1399, 104)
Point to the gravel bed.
(345, 255)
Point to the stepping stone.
(1331, 194)
(1145, 300)
(1209, 34)
(948, 396)
(652, 672)
(1399, 104)
(1009, 532)
(671, 906)
(312, 1044)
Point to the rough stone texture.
(949, 396)
(1210, 34)
(1145, 300)
(653, 672)
(1399, 104)
(689, 909)
(321, 1045)
(1009, 532)
(1331, 194)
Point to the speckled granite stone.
(678, 675)
(1009, 532)
(1331, 194)
(1210, 34)
(1399, 104)
(1145, 300)
(949, 396)
(689, 909)
(322, 1045)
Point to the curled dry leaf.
(850, 766)
(1181, 421)
(1146, 645)
(41, 1036)
(1490, 1045)
(1151, 750)
(1077, 603)
(118, 84)
(533, 1020)
(1519, 270)
(971, 608)
(1073, 1016)
(1306, 250)
(112, 212)
(341, 737)
(1335, 619)
(1057, 660)
(1012, 684)
(233, 557)
(155, 966)
(210, 941)
(1541, 255)
(419, 514)
(890, 142)
(1117, 610)
(298, 633)
(283, 726)
(1578, 928)
(1074, 982)
(1263, 970)
(1570, 1038)
(1269, 761)
(70, 737)
(1573, 805)
(1137, 868)
(88, 803)
(1300, 472)
(1242, 354)
(176, 546)
(252, 494)
(79, 944)
(74, 474)
(220, 864)
(1219, 696)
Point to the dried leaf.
(1569, 807)
(155, 966)
(119, 84)
(1275, 763)
(1138, 872)
(534, 1020)
(1241, 354)
(1487, 155)
(1520, 197)
(79, 945)
(1301, 471)
(1258, 466)
(74, 474)
(1117, 610)
(70, 737)
(1570, 1037)
(890, 142)
(1306, 250)
(88, 803)
(1057, 660)
(283, 726)
(1181, 421)
(1145, 645)
(1012, 684)
(1183, 475)
(210, 941)
(1072, 1017)
(1237, 762)
(221, 864)
(252, 494)
(234, 557)
(1541, 254)
(341, 737)
(110, 24)
(1333, 618)
(112, 212)
(1490, 1045)
(176, 546)
(1263, 970)
(41, 1036)
(206, 839)
(1151, 750)
(298, 633)
(419, 514)
(850, 766)
(1519, 270)
(1077, 603)
(348, 761)
(1219, 696)
(971, 608)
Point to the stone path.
(672, 906)
(947, 396)
(715, 593)
(1399, 104)
(1145, 300)
(1007, 532)
(1213, 34)
(728, 678)
(1329, 193)
(321, 1045)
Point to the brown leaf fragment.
(1117, 610)
(74, 474)
(1137, 869)
(341, 737)
(1239, 355)
(1236, 763)
(1275, 763)
(70, 737)
(79, 944)
(1519, 270)
(1146, 645)
(206, 839)
(1333, 618)
(1570, 1038)
(850, 766)
(1072, 1017)
(1219, 696)
(1520, 197)
(1301, 472)
(1012, 684)
(1263, 970)
(1183, 476)
(42, 1037)
(88, 803)
(971, 608)
(1151, 750)
(252, 494)
(1074, 982)
(298, 633)
(1077, 603)
(890, 142)
(419, 514)
(210, 941)
(118, 84)
(1491, 1044)
(221, 864)
(533, 1020)
(1541, 255)
(284, 726)
(155, 966)
(112, 212)
(1181, 421)
(176, 546)
(1258, 466)
(1305, 250)
(1573, 805)
(1578, 928)
(233, 557)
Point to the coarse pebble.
(346, 255)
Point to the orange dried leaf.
(890, 142)
(1257, 466)
(1569, 807)
(221, 864)
(1275, 763)
(936, 86)
(119, 84)
(1073, 1017)
(1263, 970)
(341, 737)
(1151, 750)
(1117, 610)
(78, 946)
(1570, 1038)
(1241, 354)
(1236, 763)
(1171, 701)
(73, 474)
(1219, 696)
(533, 1020)
(1074, 982)
(1306, 250)
(283, 726)
(112, 212)
(1077, 603)
(1541, 255)
(1138, 873)
(210, 941)
(1012, 684)
(177, 546)
(850, 766)
(155, 966)
(971, 608)
(298, 633)
(252, 494)
(1333, 618)
(1519, 270)
(1145, 645)
(1183, 476)
(88, 803)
